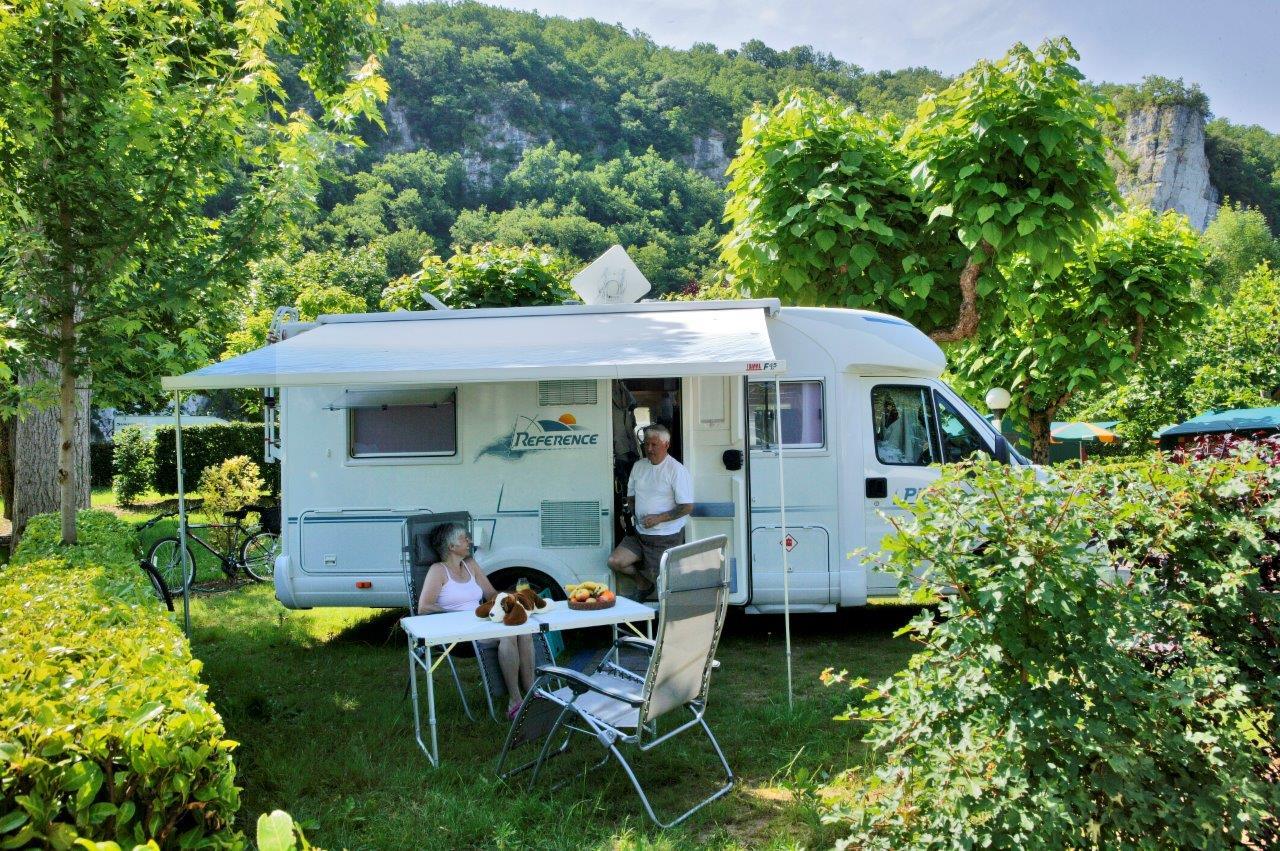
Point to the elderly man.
(660, 497)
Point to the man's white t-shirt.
(658, 488)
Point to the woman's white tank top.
(458, 596)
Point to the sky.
(1231, 47)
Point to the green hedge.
(100, 471)
(207, 446)
(105, 731)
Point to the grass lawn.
(317, 701)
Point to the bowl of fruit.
(590, 596)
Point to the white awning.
(622, 341)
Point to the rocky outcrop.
(1168, 169)
(398, 127)
(498, 149)
(708, 157)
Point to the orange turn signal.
(364, 583)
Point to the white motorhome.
(526, 418)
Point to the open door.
(715, 450)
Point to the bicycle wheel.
(164, 556)
(258, 555)
(157, 584)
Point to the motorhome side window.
(405, 430)
(800, 414)
(902, 417)
(959, 440)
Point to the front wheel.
(176, 573)
(258, 555)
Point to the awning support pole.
(782, 507)
(182, 519)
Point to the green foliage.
(1131, 292)
(1237, 240)
(207, 446)
(230, 486)
(277, 831)
(666, 215)
(1155, 90)
(822, 209)
(1229, 361)
(486, 275)
(108, 543)
(134, 462)
(1244, 165)
(1014, 155)
(716, 290)
(1035, 714)
(829, 207)
(108, 735)
(462, 70)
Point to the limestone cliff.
(1168, 169)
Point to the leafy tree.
(1130, 293)
(1007, 162)
(1236, 241)
(485, 275)
(1229, 362)
(119, 121)
(1244, 164)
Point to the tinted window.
(800, 414)
(902, 419)
(405, 430)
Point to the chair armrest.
(645, 644)
(576, 678)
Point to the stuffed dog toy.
(511, 609)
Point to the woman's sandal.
(512, 711)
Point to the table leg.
(431, 709)
(417, 715)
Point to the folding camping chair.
(615, 705)
(419, 555)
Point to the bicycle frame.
(228, 560)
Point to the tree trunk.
(67, 415)
(37, 448)
(6, 465)
(1040, 423)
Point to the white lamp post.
(998, 400)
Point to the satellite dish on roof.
(612, 278)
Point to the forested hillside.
(512, 127)
(515, 128)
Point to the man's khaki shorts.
(650, 549)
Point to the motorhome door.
(714, 449)
(899, 447)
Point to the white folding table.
(450, 628)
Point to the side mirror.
(1001, 449)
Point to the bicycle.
(252, 549)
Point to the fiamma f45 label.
(762, 366)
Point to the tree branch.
(967, 319)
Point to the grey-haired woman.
(456, 583)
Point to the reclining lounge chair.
(619, 708)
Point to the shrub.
(1034, 715)
(105, 732)
(207, 446)
(100, 455)
(134, 463)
